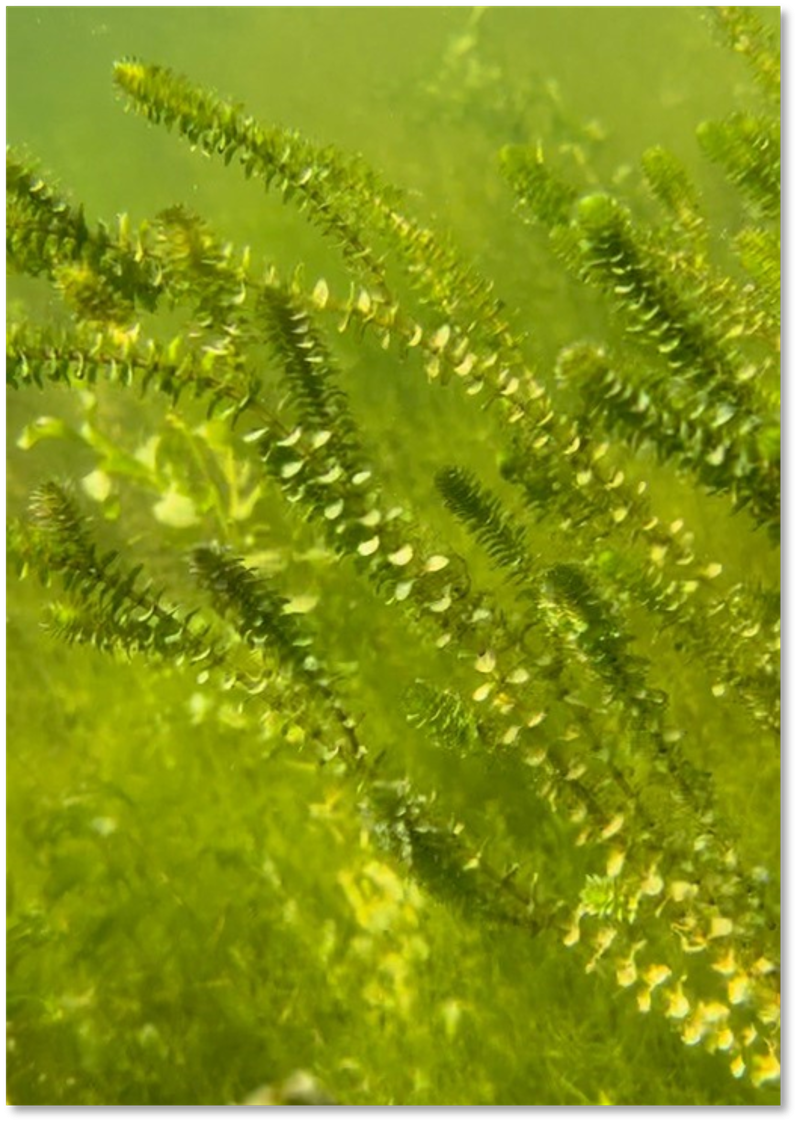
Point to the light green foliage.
(422, 760)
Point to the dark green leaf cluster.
(106, 604)
(482, 512)
(442, 716)
(334, 190)
(687, 380)
(441, 860)
(99, 275)
(548, 196)
(598, 631)
(308, 373)
(749, 149)
(258, 612)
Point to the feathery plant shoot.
(396, 719)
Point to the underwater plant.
(510, 686)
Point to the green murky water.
(203, 899)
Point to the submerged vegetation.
(414, 755)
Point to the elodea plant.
(423, 743)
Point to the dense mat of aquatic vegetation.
(419, 721)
